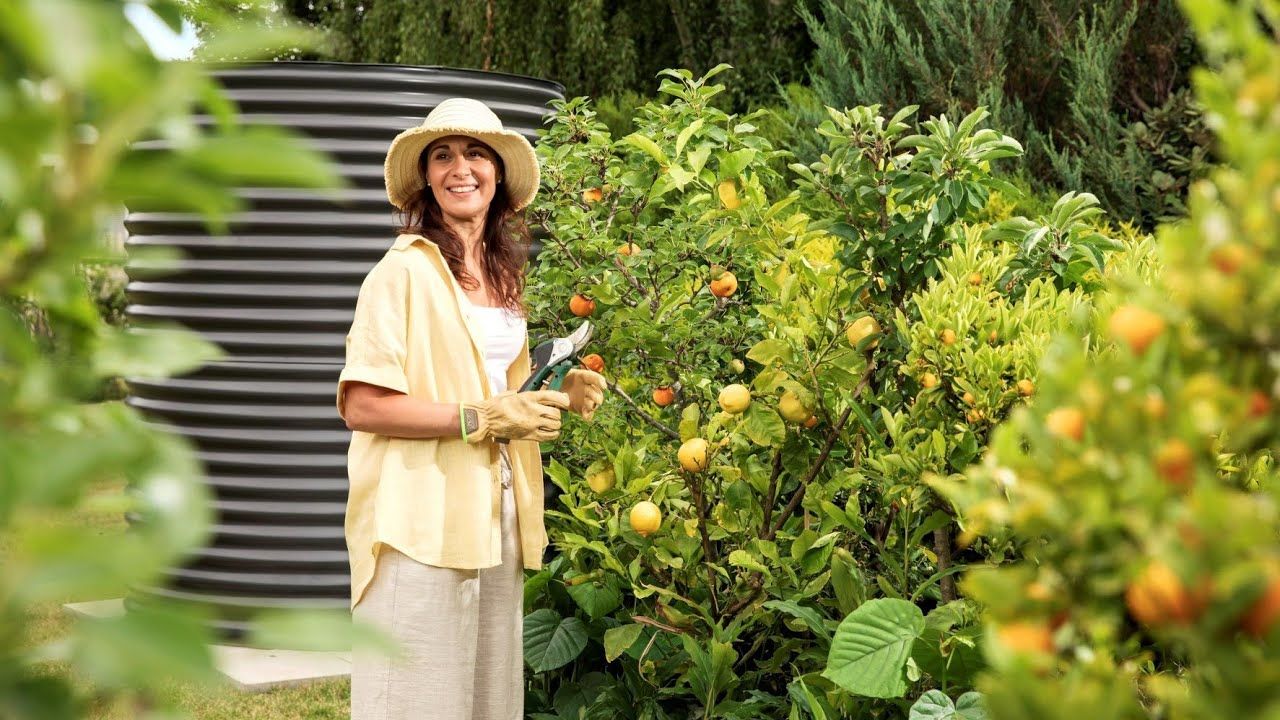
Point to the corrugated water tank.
(277, 293)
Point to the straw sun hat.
(461, 116)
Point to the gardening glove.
(585, 389)
(515, 416)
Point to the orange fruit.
(593, 362)
(628, 249)
(1263, 613)
(1158, 598)
(929, 381)
(968, 398)
(948, 337)
(975, 279)
(581, 305)
(1154, 405)
(1136, 326)
(1026, 637)
(1229, 258)
(811, 422)
(1259, 404)
(592, 195)
(1026, 388)
(725, 285)
(1066, 422)
(663, 396)
(1175, 462)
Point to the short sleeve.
(375, 345)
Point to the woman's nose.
(460, 166)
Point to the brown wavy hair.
(506, 240)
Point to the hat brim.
(520, 162)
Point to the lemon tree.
(791, 350)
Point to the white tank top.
(504, 334)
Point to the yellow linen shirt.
(437, 500)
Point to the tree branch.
(942, 548)
(644, 620)
(771, 496)
(813, 472)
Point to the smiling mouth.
(463, 189)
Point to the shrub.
(807, 533)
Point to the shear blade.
(580, 337)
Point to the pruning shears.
(553, 359)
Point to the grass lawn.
(318, 701)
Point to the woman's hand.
(512, 415)
(585, 389)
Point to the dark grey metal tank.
(277, 293)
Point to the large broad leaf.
(551, 641)
(871, 648)
(935, 705)
(597, 599)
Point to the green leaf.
(684, 136)
(317, 630)
(690, 419)
(770, 349)
(935, 705)
(732, 165)
(763, 425)
(870, 651)
(712, 671)
(551, 641)
(151, 352)
(649, 147)
(743, 559)
(596, 599)
(620, 639)
(812, 619)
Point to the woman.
(445, 505)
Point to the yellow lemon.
(728, 191)
(693, 455)
(792, 409)
(602, 481)
(645, 518)
(861, 329)
(734, 398)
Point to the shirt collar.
(407, 239)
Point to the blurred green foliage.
(1141, 488)
(78, 89)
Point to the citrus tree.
(1141, 485)
(744, 530)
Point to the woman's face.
(463, 175)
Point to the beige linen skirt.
(459, 631)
